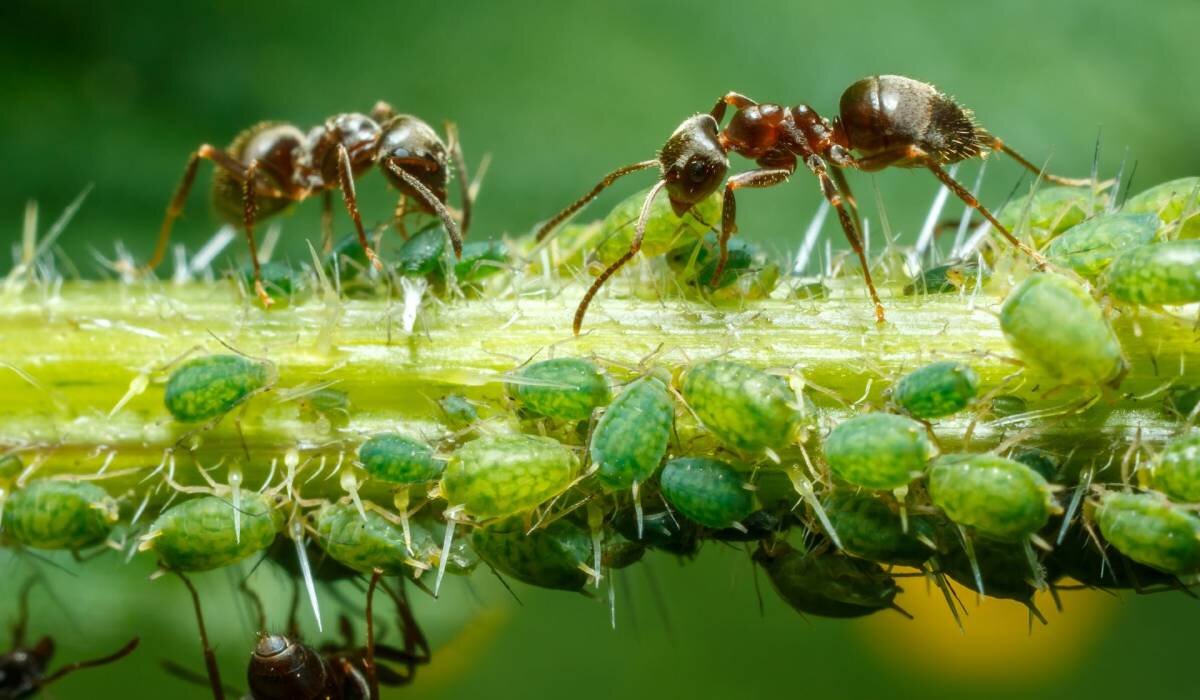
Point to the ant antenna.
(438, 208)
(578, 204)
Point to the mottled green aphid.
(422, 253)
(748, 273)
(209, 387)
(399, 459)
(500, 475)
(1091, 246)
(199, 534)
(1056, 326)
(1157, 274)
(878, 450)
(948, 278)
(936, 390)
(1176, 470)
(1040, 461)
(1099, 565)
(331, 404)
(707, 491)
(366, 544)
(278, 279)
(630, 439)
(664, 230)
(828, 584)
(1148, 528)
(568, 388)
(871, 530)
(745, 407)
(460, 413)
(1182, 400)
(1052, 211)
(480, 259)
(1000, 498)
(1169, 201)
(11, 467)
(48, 514)
(1009, 405)
(548, 557)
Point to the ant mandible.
(889, 120)
(271, 165)
(23, 668)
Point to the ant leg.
(346, 180)
(752, 178)
(90, 663)
(250, 209)
(849, 227)
(437, 206)
(578, 204)
(634, 247)
(369, 659)
(464, 181)
(416, 646)
(255, 600)
(730, 99)
(327, 221)
(175, 208)
(998, 145)
(843, 185)
(210, 659)
(22, 624)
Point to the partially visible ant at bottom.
(283, 667)
(23, 668)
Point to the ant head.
(281, 667)
(21, 669)
(693, 162)
(413, 146)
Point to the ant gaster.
(889, 120)
(23, 668)
(273, 164)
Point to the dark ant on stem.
(889, 120)
(23, 668)
(271, 165)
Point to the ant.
(282, 667)
(890, 120)
(270, 165)
(23, 668)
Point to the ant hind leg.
(997, 145)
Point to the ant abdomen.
(283, 669)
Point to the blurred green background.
(118, 93)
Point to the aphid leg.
(350, 197)
(438, 207)
(350, 484)
(460, 164)
(400, 500)
(210, 659)
(327, 222)
(546, 228)
(637, 507)
(969, 548)
(235, 490)
(997, 145)
(634, 247)
(752, 178)
(91, 663)
(249, 211)
(1035, 567)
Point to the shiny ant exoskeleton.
(273, 164)
(889, 120)
(23, 668)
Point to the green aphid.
(348, 259)
(567, 388)
(460, 413)
(11, 467)
(828, 584)
(1006, 405)
(878, 450)
(1169, 201)
(745, 407)
(747, 274)
(278, 279)
(630, 439)
(548, 557)
(1097, 564)
(810, 291)
(399, 459)
(1158, 274)
(49, 514)
(429, 535)
(200, 534)
(422, 253)
(209, 387)
(1176, 470)
(664, 230)
(1000, 498)
(948, 278)
(1004, 568)
(619, 552)
(1040, 461)
(500, 475)
(936, 390)
(331, 404)
(480, 259)
(660, 530)
(1182, 400)
(1052, 211)
(1148, 528)
(869, 529)
(1057, 327)
(1090, 247)
(367, 543)
(707, 491)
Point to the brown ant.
(23, 668)
(890, 120)
(273, 164)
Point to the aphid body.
(209, 387)
(630, 439)
(746, 408)
(878, 450)
(707, 491)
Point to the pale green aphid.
(49, 514)
(460, 413)
(707, 491)
(871, 530)
(1151, 530)
(209, 387)
(1090, 247)
(1057, 327)
(568, 388)
(744, 407)
(367, 543)
(549, 557)
(1176, 470)
(937, 389)
(1051, 211)
(1169, 201)
(199, 534)
(1158, 274)
(1000, 498)
(630, 439)
(500, 475)
(11, 467)
(399, 459)
(878, 450)
(664, 230)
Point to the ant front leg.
(249, 211)
(349, 195)
(464, 181)
(766, 177)
(327, 222)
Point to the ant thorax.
(318, 157)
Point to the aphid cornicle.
(630, 439)
(52, 514)
(707, 491)
(209, 387)
(827, 584)
(548, 557)
(1148, 528)
(200, 533)
(567, 388)
(878, 450)
(500, 475)
(1000, 498)
(936, 390)
(1157, 274)
(745, 407)
(1090, 247)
